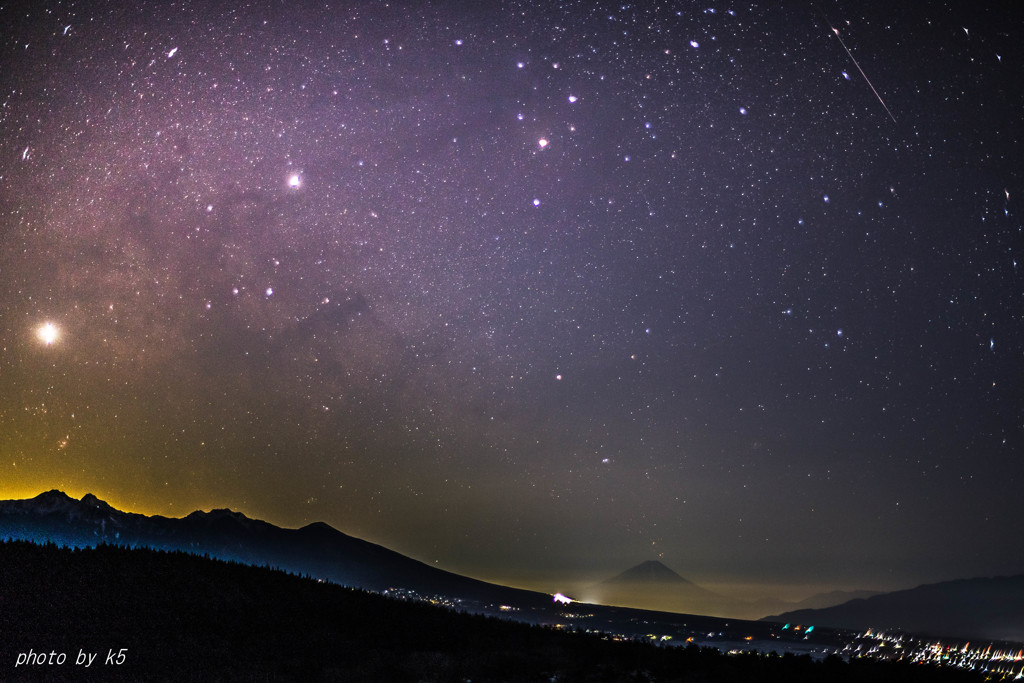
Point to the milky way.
(531, 291)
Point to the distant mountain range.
(985, 608)
(324, 552)
(832, 598)
(321, 552)
(652, 585)
(981, 608)
(975, 608)
(316, 550)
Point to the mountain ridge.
(229, 535)
(987, 608)
(983, 607)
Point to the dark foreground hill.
(153, 615)
(984, 608)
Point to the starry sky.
(530, 291)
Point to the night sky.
(533, 291)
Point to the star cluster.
(529, 290)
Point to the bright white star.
(48, 333)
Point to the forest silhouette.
(177, 616)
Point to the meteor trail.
(852, 58)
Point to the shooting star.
(866, 79)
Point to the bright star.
(295, 180)
(48, 333)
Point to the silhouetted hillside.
(991, 609)
(175, 616)
(832, 598)
(316, 549)
(321, 551)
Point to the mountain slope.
(831, 599)
(991, 608)
(317, 549)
